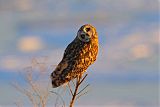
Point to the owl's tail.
(57, 80)
(57, 75)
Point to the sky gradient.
(126, 71)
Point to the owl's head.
(87, 33)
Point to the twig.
(70, 89)
(83, 78)
(26, 92)
(81, 95)
(83, 89)
(18, 104)
(59, 97)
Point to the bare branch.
(79, 81)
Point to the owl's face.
(87, 33)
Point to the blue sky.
(126, 71)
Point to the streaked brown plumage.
(79, 54)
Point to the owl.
(78, 56)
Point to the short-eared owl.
(79, 54)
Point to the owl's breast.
(80, 57)
(86, 56)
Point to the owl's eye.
(87, 29)
(83, 36)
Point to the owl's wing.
(58, 76)
(68, 50)
(71, 51)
